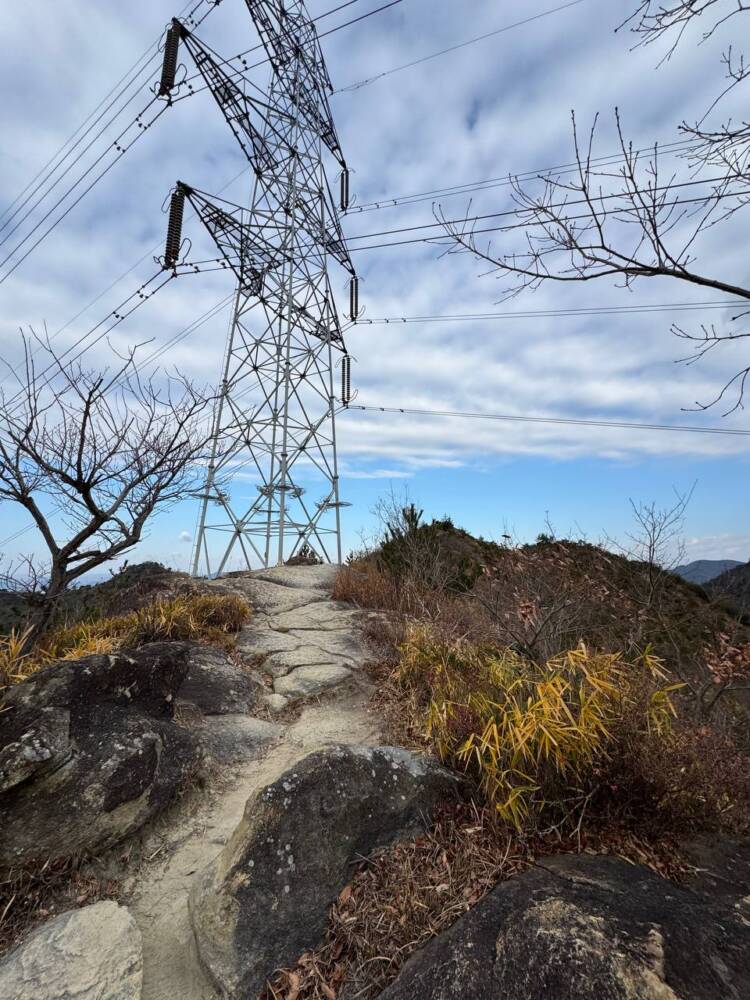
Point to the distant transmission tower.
(274, 422)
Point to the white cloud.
(185, 537)
(378, 474)
(497, 107)
(726, 546)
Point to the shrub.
(196, 617)
(682, 779)
(307, 556)
(584, 733)
(367, 585)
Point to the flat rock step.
(230, 738)
(299, 577)
(306, 681)
(321, 616)
(273, 598)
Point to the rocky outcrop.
(216, 685)
(89, 752)
(88, 954)
(228, 739)
(264, 900)
(586, 928)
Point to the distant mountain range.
(702, 570)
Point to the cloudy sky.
(497, 107)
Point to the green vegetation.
(580, 689)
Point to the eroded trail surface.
(307, 649)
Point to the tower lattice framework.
(274, 420)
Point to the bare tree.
(656, 541)
(636, 221)
(90, 455)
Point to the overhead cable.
(572, 421)
(461, 45)
(520, 210)
(490, 183)
(549, 313)
(150, 53)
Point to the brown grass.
(30, 896)
(545, 599)
(188, 617)
(367, 585)
(402, 897)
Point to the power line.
(672, 185)
(572, 421)
(545, 313)
(149, 253)
(131, 70)
(32, 190)
(235, 74)
(507, 180)
(119, 153)
(134, 74)
(513, 418)
(454, 48)
(120, 150)
(478, 316)
(518, 225)
(184, 333)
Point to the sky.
(498, 107)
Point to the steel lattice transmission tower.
(275, 414)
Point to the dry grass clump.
(187, 617)
(586, 736)
(29, 896)
(13, 661)
(366, 584)
(403, 896)
(533, 735)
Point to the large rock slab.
(228, 739)
(312, 577)
(281, 664)
(89, 752)
(304, 682)
(593, 928)
(216, 685)
(264, 900)
(88, 954)
(318, 617)
(273, 598)
(262, 641)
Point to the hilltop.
(546, 597)
(129, 588)
(703, 570)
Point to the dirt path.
(309, 646)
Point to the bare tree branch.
(635, 222)
(105, 449)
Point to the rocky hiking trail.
(219, 886)
(307, 646)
